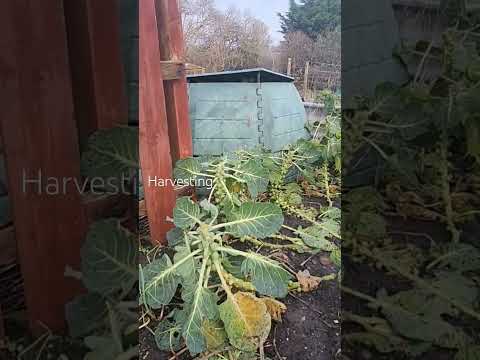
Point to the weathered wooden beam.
(155, 156)
(99, 93)
(172, 70)
(8, 246)
(169, 24)
(40, 142)
(2, 326)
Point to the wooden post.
(8, 246)
(155, 158)
(305, 80)
(289, 67)
(93, 30)
(40, 141)
(2, 326)
(169, 22)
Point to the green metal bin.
(244, 109)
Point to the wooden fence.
(165, 134)
(62, 79)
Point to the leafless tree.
(326, 61)
(221, 41)
(323, 55)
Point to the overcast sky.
(265, 10)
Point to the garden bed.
(251, 268)
(310, 329)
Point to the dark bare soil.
(311, 326)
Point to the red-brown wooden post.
(2, 326)
(155, 158)
(40, 140)
(169, 24)
(93, 30)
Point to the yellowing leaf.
(309, 282)
(275, 308)
(247, 321)
(214, 334)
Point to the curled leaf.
(275, 308)
(309, 282)
(247, 321)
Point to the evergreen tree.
(311, 17)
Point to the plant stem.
(219, 269)
(376, 147)
(326, 184)
(423, 284)
(446, 191)
(260, 243)
(315, 223)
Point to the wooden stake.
(40, 140)
(289, 67)
(169, 23)
(305, 80)
(93, 30)
(155, 157)
(2, 326)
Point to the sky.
(265, 10)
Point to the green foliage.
(204, 259)
(111, 153)
(311, 17)
(220, 297)
(106, 316)
(414, 139)
(199, 253)
(109, 250)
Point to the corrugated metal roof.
(246, 75)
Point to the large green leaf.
(247, 321)
(111, 153)
(186, 213)
(161, 282)
(255, 219)
(186, 263)
(417, 315)
(267, 275)
(175, 236)
(255, 176)
(102, 348)
(167, 336)
(201, 305)
(85, 314)
(187, 169)
(317, 237)
(109, 258)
